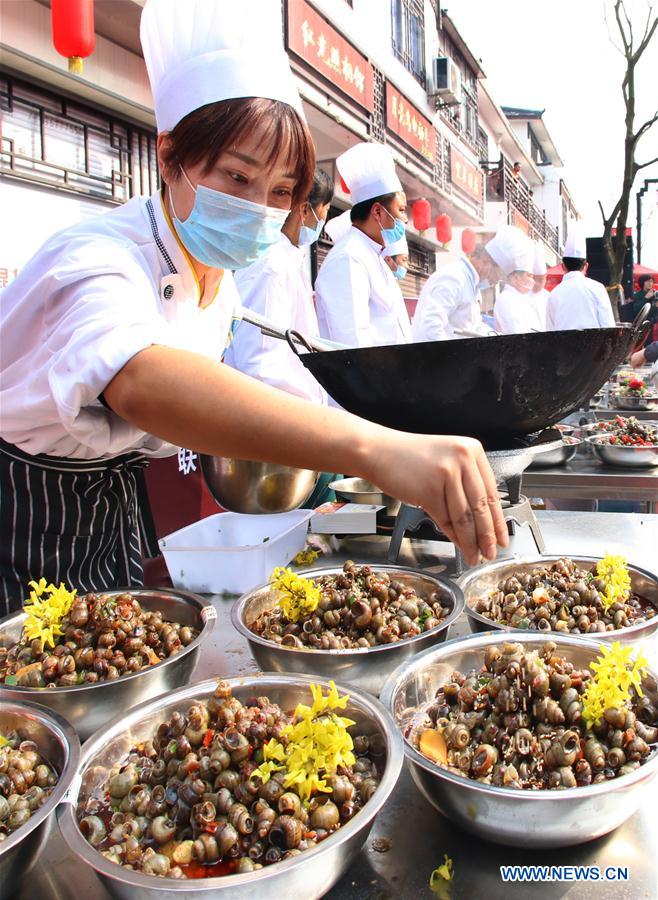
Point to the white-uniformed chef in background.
(396, 257)
(359, 304)
(514, 311)
(451, 298)
(578, 301)
(539, 294)
(277, 286)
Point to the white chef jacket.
(449, 300)
(578, 302)
(539, 300)
(358, 301)
(90, 299)
(276, 286)
(515, 313)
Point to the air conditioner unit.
(447, 81)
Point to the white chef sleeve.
(438, 299)
(343, 290)
(604, 314)
(95, 325)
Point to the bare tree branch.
(645, 127)
(643, 165)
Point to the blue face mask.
(225, 232)
(400, 272)
(394, 234)
(310, 235)
(483, 285)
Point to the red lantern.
(468, 240)
(343, 186)
(73, 30)
(422, 214)
(443, 228)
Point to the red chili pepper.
(208, 736)
(635, 384)
(211, 827)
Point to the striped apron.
(86, 523)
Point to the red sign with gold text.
(409, 124)
(520, 221)
(314, 40)
(465, 175)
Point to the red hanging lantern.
(344, 188)
(73, 30)
(443, 228)
(468, 240)
(422, 214)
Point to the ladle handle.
(294, 338)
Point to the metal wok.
(493, 388)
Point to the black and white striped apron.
(84, 523)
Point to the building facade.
(395, 71)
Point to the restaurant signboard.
(464, 175)
(410, 125)
(316, 42)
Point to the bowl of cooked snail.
(562, 595)
(39, 755)
(109, 651)
(261, 786)
(529, 742)
(357, 623)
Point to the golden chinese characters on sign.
(314, 40)
(464, 175)
(409, 124)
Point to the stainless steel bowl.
(366, 667)
(558, 456)
(309, 875)
(515, 817)
(624, 457)
(59, 744)
(485, 578)
(358, 490)
(565, 430)
(89, 706)
(633, 402)
(257, 488)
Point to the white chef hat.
(398, 248)
(575, 245)
(539, 260)
(511, 249)
(338, 226)
(204, 51)
(368, 170)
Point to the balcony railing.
(503, 186)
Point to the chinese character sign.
(315, 41)
(410, 125)
(465, 175)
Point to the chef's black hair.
(322, 189)
(642, 280)
(571, 264)
(361, 211)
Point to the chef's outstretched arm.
(193, 402)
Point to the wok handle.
(294, 338)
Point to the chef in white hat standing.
(539, 295)
(277, 287)
(578, 301)
(396, 257)
(450, 300)
(111, 335)
(514, 311)
(358, 302)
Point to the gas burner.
(517, 511)
(511, 461)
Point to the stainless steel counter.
(587, 478)
(419, 836)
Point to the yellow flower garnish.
(3, 741)
(296, 596)
(305, 557)
(614, 571)
(46, 607)
(615, 675)
(441, 875)
(318, 742)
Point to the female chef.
(111, 335)
(514, 310)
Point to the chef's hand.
(451, 479)
(638, 359)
